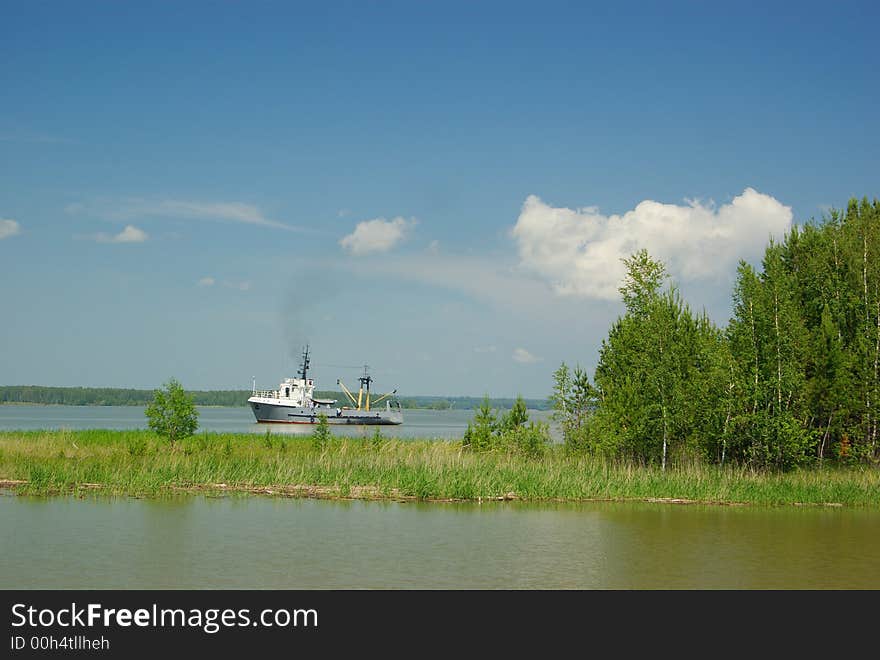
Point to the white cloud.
(130, 234)
(8, 228)
(579, 251)
(522, 356)
(377, 235)
(123, 209)
(206, 281)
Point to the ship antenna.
(304, 368)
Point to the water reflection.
(253, 542)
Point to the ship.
(294, 402)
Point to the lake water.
(264, 543)
(438, 424)
(258, 542)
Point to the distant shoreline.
(102, 405)
(118, 396)
(198, 405)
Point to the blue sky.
(440, 190)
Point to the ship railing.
(267, 394)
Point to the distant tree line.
(793, 379)
(111, 396)
(470, 402)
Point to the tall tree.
(655, 372)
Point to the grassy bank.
(137, 463)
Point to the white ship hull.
(268, 411)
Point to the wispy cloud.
(486, 277)
(377, 235)
(130, 234)
(522, 356)
(206, 281)
(231, 211)
(127, 208)
(8, 228)
(579, 251)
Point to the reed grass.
(138, 463)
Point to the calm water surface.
(441, 424)
(256, 542)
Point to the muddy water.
(256, 542)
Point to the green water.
(254, 542)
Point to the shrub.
(531, 440)
(321, 435)
(172, 413)
(511, 433)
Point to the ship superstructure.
(294, 402)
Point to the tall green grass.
(138, 463)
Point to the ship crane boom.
(384, 396)
(347, 393)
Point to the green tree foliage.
(517, 416)
(172, 413)
(478, 435)
(531, 439)
(511, 432)
(573, 399)
(793, 378)
(770, 344)
(805, 334)
(561, 390)
(642, 284)
(658, 368)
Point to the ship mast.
(365, 380)
(304, 366)
(363, 391)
